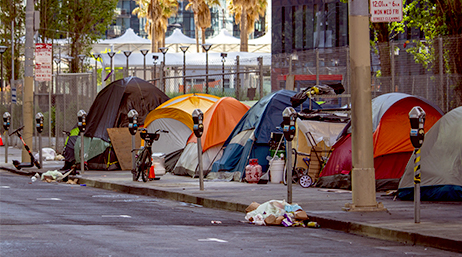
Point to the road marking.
(48, 199)
(213, 240)
(116, 216)
(4, 186)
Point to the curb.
(347, 227)
(409, 238)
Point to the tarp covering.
(392, 147)
(263, 118)
(175, 116)
(219, 121)
(440, 162)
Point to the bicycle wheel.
(145, 170)
(140, 165)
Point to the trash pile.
(278, 213)
(54, 176)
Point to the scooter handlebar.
(16, 131)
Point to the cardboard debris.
(252, 206)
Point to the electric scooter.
(33, 161)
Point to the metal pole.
(155, 71)
(199, 158)
(82, 152)
(237, 77)
(417, 185)
(289, 171)
(363, 174)
(223, 76)
(392, 52)
(6, 146)
(40, 149)
(162, 76)
(144, 66)
(207, 72)
(260, 65)
(28, 93)
(1, 79)
(317, 66)
(184, 72)
(133, 152)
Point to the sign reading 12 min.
(386, 10)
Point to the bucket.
(277, 171)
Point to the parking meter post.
(133, 127)
(198, 129)
(288, 119)
(417, 120)
(82, 124)
(39, 126)
(6, 126)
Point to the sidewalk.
(440, 222)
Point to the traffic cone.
(1, 142)
(152, 174)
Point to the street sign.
(13, 95)
(43, 53)
(386, 10)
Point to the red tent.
(392, 146)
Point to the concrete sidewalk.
(440, 223)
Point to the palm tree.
(246, 12)
(202, 17)
(156, 13)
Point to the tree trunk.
(153, 39)
(244, 34)
(203, 38)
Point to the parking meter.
(132, 121)
(39, 122)
(288, 128)
(6, 120)
(288, 120)
(417, 119)
(198, 129)
(82, 124)
(198, 118)
(82, 117)
(6, 126)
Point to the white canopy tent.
(129, 41)
(223, 42)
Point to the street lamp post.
(144, 52)
(223, 60)
(154, 59)
(111, 55)
(81, 57)
(127, 54)
(206, 48)
(2, 50)
(96, 56)
(164, 51)
(184, 49)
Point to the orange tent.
(392, 146)
(219, 121)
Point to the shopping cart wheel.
(305, 181)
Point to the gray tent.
(440, 164)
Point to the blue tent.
(250, 138)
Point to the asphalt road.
(57, 219)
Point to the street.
(57, 219)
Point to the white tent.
(224, 42)
(129, 41)
(178, 37)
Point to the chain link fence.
(393, 69)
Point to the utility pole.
(28, 114)
(363, 173)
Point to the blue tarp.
(263, 118)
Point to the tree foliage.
(202, 16)
(12, 11)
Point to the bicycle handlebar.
(16, 131)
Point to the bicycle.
(143, 159)
(18, 165)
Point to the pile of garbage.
(278, 213)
